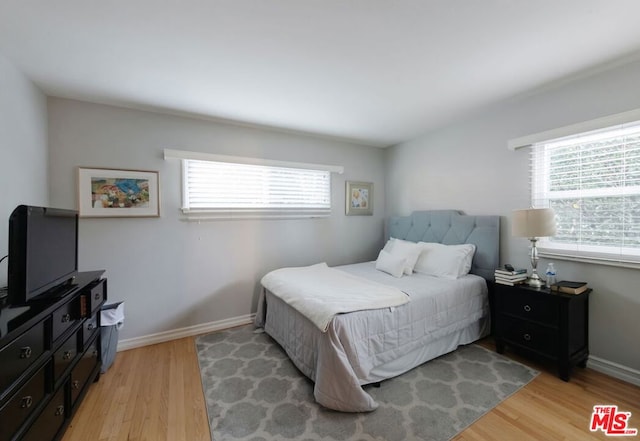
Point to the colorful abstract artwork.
(118, 193)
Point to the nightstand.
(543, 323)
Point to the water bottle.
(551, 275)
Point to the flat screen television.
(43, 251)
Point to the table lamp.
(534, 223)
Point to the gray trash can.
(111, 320)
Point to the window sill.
(596, 260)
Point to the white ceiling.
(375, 71)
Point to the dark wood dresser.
(49, 356)
(543, 323)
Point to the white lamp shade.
(534, 222)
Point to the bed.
(368, 346)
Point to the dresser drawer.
(97, 294)
(530, 335)
(530, 305)
(89, 328)
(15, 412)
(64, 318)
(18, 355)
(82, 371)
(64, 356)
(50, 420)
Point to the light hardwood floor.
(154, 393)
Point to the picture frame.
(359, 198)
(104, 192)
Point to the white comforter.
(320, 292)
(368, 346)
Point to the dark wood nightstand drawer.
(530, 335)
(17, 356)
(23, 402)
(531, 305)
(544, 323)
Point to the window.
(592, 181)
(216, 186)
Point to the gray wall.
(172, 273)
(175, 274)
(467, 166)
(23, 148)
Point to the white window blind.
(592, 181)
(232, 189)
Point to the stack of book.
(568, 287)
(510, 277)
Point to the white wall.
(23, 149)
(174, 274)
(467, 166)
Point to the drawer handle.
(90, 327)
(527, 308)
(66, 318)
(25, 352)
(95, 354)
(75, 384)
(96, 296)
(66, 355)
(527, 337)
(26, 402)
(59, 410)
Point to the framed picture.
(359, 198)
(118, 193)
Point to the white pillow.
(389, 245)
(410, 251)
(447, 261)
(390, 264)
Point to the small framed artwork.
(359, 198)
(106, 192)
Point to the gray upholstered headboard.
(451, 227)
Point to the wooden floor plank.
(154, 393)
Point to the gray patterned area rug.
(254, 393)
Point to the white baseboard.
(189, 331)
(615, 370)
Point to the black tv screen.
(43, 251)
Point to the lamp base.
(534, 281)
